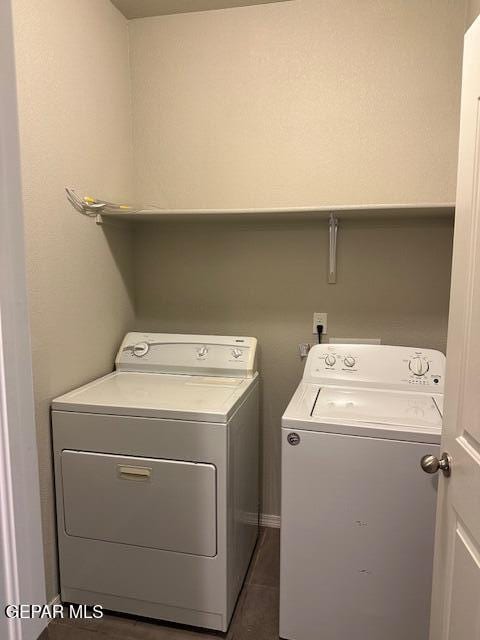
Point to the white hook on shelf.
(332, 253)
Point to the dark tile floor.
(255, 617)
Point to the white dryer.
(156, 471)
(358, 513)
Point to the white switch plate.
(319, 318)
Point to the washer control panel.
(233, 356)
(377, 366)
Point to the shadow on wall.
(119, 239)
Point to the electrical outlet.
(319, 318)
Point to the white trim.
(22, 576)
(9, 591)
(56, 600)
(269, 520)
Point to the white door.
(456, 586)
(22, 578)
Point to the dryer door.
(146, 502)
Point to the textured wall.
(75, 128)
(267, 279)
(298, 103)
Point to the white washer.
(156, 470)
(358, 513)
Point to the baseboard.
(269, 520)
(55, 600)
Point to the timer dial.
(418, 366)
(140, 349)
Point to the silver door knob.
(431, 464)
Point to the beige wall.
(75, 126)
(473, 11)
(298, 103)
(267, 279)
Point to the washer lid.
(373, 413)
(382, 407)
(179, 397)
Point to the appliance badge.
(293, 439)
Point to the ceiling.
(147, 8)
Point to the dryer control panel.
(378, 366)
(228, 356)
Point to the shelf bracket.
(332, 249)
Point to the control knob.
(349, 361)
(418, 366)
(140, 349)
(330, 360)
(202, 351)
(236, 353)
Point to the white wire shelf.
(440, 209)
(102, 209)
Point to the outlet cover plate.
(319, 318)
